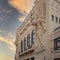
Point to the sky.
(12, 15)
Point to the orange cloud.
(9, 35)
(9, 42)
(22, 5)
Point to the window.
(32, 58)
(28, 41)
(33, 36)
(56, 19)
(25, 44)
(57, 44)
(52, 17)
(21, 46)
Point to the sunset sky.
(12, 14)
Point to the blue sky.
(8, 25)
(8, 20)
(11, 17)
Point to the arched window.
(33, 36)
(28, 41)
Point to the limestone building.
(39, 36)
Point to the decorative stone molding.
(40, 24)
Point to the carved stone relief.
(40, 24)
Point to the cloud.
(23, 5)
(1, 31)
(1, 19)
(8, 38)
(9, 42)
(10, 35)
(22, 19)
(7, 11)
(7, 34)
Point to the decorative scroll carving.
(40, 23)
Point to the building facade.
(39, 36)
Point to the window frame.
(56, 47)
